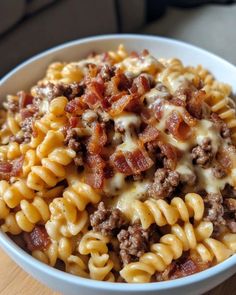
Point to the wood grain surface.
(14, 281)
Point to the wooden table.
(14, 281)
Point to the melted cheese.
(207, 181)
(132, 192)
(128, 121)
(113, 186)
(136, 65)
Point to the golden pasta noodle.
(162, 213)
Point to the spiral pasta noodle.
(65, 219)
(171, 247)
(51, 170)
(32, 213)
(162, 213)
(99, 264)
(14, 193)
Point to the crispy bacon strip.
(177, 126)
(171, 154)
(117, 106)
(38, 239)
(94, 93)
(131, 162)
(140, 85)
(95, 171)
(24, 99)
(97, 140)
(149, 134)
(76, 106)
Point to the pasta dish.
(121, 167)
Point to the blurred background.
(28, 27)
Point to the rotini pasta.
(162, 213)
(171, 247)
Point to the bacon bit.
(75, 106)
(27, 113)
(226, 157)
(131, 162)
(134, 54)
(140, 85)
(119, 105)
(194, 103)
(150, 133)
(108, 171)
(188, 119)
(145, 52)
(118, 160)
(158, 110)
(171, 154)
(94, 93)
(139, 161)
(177, 127)
(98, 139)
(187, 266)
(95, 176)
(17, 166)
(24, 99)
(8, 169)
(147, 116)
(38, 239)
(135, 105)
(5, 167)
(73, 122)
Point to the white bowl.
(32, 70)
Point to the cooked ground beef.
(214, 210)
(218, 171)
(107, 221)
(72, 141)
(26, 127)
(202, 154)
(50, 90)
(230, 213)
(134, 242)
(165, 182)
(220, 125)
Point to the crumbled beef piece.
(230, 204)
(188, 179)
(17, 138)
(165, 182)
(71, 139)
(25, 99)
(38, 239)
(228, 191)
(202, 154)
(230, 213)
(214, 211)
(51, 91)
(107, 221)
(26, 127)
(218, 171)
(134, 242)
(220, 125)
